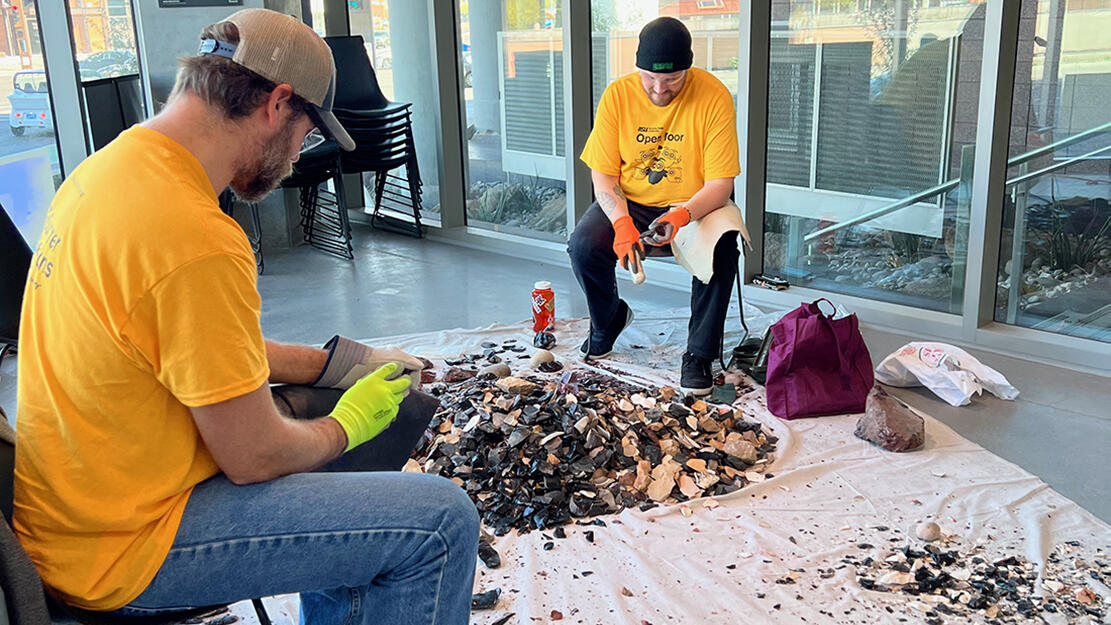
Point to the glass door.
(29, 166)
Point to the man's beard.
(662, 100)
(257, 179)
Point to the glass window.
(616, 25)
(395, 32)
(1055, 249)
(29, 167)
(103, 38)
(872, 110)
(512, 64)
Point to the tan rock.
(706, 481)
(516, 386)
(669, 446)
(741, 449)
(697, 464)
(660, 488)
(540, 357)
(644, 476)
(709, 424)
(688, 487)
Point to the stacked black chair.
(383, 134)
(323, 213)
(227, 204)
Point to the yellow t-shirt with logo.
(663, 155)
(141, 301)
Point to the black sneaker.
(696, 376)
(600, 344)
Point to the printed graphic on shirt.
(43, 264)
(658, 164)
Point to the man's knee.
(457, 512)
(592, 237)
(726, 253)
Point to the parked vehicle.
(30, 102)
(107, 64)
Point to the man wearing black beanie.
(663, 154)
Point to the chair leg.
(260, 610)
(256, 244)
(380, 178)
(415, 192)
(344, 219)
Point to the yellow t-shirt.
(141, 301)
(663, 155)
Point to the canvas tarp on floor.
(829, 493)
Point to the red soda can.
(543, 307)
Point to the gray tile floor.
(1058, 429)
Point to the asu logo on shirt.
(663, 155)
(658, 165)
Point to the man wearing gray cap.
(663, 155)
(155, 471)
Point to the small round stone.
(499, 370)
(540, 357)
(928, 531)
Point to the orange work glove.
(626, 241)
(662, 230)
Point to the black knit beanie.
(665, 46)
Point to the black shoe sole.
(696, 392)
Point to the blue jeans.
(360, 547)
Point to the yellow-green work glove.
(370, 405)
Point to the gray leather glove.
(349, 361)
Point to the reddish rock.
(455, 374)
(890, 424)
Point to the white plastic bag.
(950, 372)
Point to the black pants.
(595, 267)
(386, 452)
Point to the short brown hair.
(223, 83)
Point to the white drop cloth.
(829, 491)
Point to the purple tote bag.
(817, 365)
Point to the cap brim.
(331, 127)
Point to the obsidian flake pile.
(950, 586)
(537, 451)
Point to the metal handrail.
(890, 208)
(1031, 155)
(952, 184)
(1056, 166)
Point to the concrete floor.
(1058, 428)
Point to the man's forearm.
(299, 446)
(712, 196)
(611, 199)
(294, 364)
(251, 442)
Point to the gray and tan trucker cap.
(282, 49)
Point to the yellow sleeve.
(198, 331)
(602, 152)
(722, 155)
